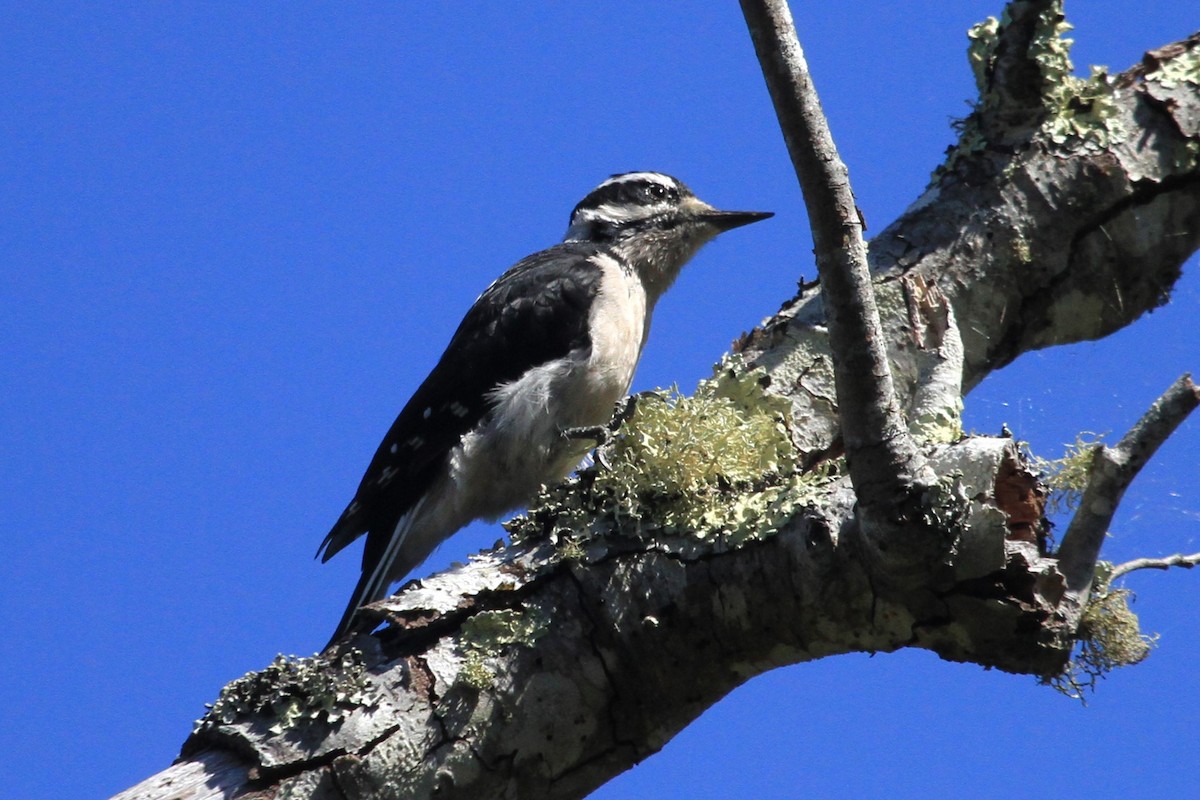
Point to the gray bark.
(1033, 238)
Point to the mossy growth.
(981, 51)
(720, 463)
(1081, 114)
(939, 424)
(1108, 637)
(293, 691)
(1181, 70)
(486, 634)
(1066, 477)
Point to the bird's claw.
(603, 435)
(600, 434)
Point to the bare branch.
(212, 775)
(1177, 560)
(1113, 469)
(882, 457)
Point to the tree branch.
(1061, 242)
(1177, 560)
(210, 775)
(1113, 469)
(883, 459)
(540, 671)
(935, 410)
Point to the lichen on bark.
(718, 464)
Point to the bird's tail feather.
(375, 582)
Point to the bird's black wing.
(534, 313)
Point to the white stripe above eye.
(625, 212)
(641, 177)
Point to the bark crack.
(610, 678)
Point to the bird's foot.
(627, 405)
(600, 434)
(604, 435)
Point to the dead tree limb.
(1113, 469)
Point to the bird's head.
(653, 220)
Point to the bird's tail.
(376, 578)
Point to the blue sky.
(235, 236)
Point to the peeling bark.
(606, 651)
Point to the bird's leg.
(600, 434)
(603, 435)
(622, 412)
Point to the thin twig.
(1113, 469)
(882, 458)
(1177, 560)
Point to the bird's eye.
(657, 191)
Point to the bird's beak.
(728, 220)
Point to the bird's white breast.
(619, 319)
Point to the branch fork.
(1113, 469)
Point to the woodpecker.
(545, 352)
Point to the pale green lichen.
(1108, 636)
(981, 52)
(571, 549)
(1178, 72)
(718, 463)
(1051, 49)
(1081, 113)
(1182, 70)
(1021, 251)
(941, 424)
(1186, 157)
(486, 634)
(293, 691)
(1067, 476)
(1048, 48)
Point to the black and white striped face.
(631, 201)
(647, 203)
